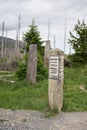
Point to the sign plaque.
(53, 67)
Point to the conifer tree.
(32, 36)
(79, 41)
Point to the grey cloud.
(42, 10)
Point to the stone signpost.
(32, 64)
(56, 78)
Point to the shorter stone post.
(32, 64)
(56, 78)
(46, 53)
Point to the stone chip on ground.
(34, 120)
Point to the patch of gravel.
(34, 120)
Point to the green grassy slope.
(75, 85)
(24, 95)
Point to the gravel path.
(33, 120)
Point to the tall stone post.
(56, 79)
(32, 64)
(46, 54)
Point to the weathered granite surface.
(32, 63)
(56, 78)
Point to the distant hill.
(10, 42)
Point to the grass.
(24, 120)
(25, 95)
(75, 99)
(49, 113)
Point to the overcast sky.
(58, 11)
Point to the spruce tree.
(32, 36)
(79, 42)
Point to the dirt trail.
(33, 120)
